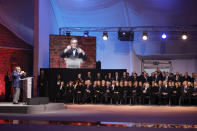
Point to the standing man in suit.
(17, 74)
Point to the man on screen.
(74, 51)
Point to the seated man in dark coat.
(145, 93)
(175, 93)
(194, 94)
(186, 91)
(164, 93)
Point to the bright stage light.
(145, 36)
(164, 36)
(105, 36)
(184, 36)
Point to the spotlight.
(184, 36)
(105, 36)
(164, 36)
(67, 33)
(145, 36)
(86, 34)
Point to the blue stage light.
(164, 36)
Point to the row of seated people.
(127, 92)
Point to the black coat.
(70, 54)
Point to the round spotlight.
(184, 36)
(105, 36)
(145, 36)
(164, 36)
(86, 34)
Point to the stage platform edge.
(30, 109)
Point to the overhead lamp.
(164, 36)
(105, 36)
(145, 36)
(184, 36)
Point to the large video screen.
(72, 51)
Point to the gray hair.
(74, 39)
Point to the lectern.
(73, 62)
(27, 88)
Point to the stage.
(23, 108)
(105, 117)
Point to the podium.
(73, 62)
(27, 88)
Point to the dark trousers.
(87, 98)
(68, 97)
(174, 100)
(145, 99)
(194, 100)
(164, 100)
(7, 93)
(78, 98)
(154, 99)
(115, 98)
(185, 100)
(107, 98)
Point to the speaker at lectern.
(73, 62)
(27, 84)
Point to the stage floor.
(22, 108)
(115, 117)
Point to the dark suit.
(69, 93)
(107, 94)
(145, 95)
(177, 78)
(79, 93)
(70, 54)
(42, 86)
(116, 94)
(175, 93)
(155, 92)
(186, 95)
(164, 99)
(194, 96)
(60, 93)
(117, 78)
(186, 78)
(144, 79)
(135, 94)
(88, 94)
(8, 85)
